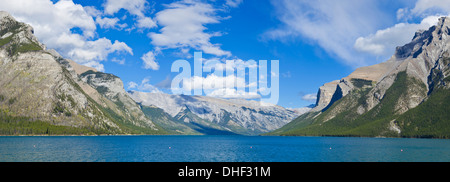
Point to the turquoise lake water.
(220, 149)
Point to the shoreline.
(329, 136)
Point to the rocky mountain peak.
(17, 37)
(444, 22)
(5, 17)
(436, 33)
(9, 24)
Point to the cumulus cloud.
(431, 7)
(213, 81)
(227, 79)
(233, 3)
(135, 7)
(132, 85)
(138, 8)
(116, 60)
(149, 61)
(146, 22)
(53, 24)
(384, 42)
(92, 11)
(98, 50)
(310, 97)
(144, 86)
(183, 27)
(230, 86)
(106, 23)
(45, 16)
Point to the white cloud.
(228, 65)
(132, 85)
(213, 81)
(216, 84)
(53, 24)
(384, 42)
(144, 86)
(310, 97)
(95, 64)
(402, 14)
(44, 14)
(183, 26)
(146, 22)
(137, 8)
(95, 51)
(92, 11)
(116, 60)
(149, 61)
(222, 86)
(431, 7)
(106, 22)
(333, 25)
(233, 3)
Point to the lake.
(220, 149)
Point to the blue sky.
(315, 41)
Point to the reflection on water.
(220, 148)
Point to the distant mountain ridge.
(236, 116)
(406, 96)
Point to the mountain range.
(193, 114)
(44, 93)
(406, 96)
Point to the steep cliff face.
(41, 93)
(325, 94)
(373, 100)
(111, 87)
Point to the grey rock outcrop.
(325, 94)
